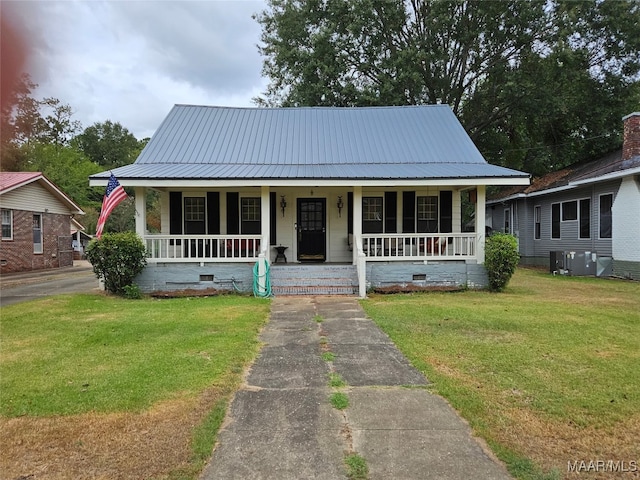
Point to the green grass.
(564, 349)
(328, 356)
(336, 380)
(357, 468)
(318, 318)
(72, 354)
(339, 400)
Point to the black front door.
(311, 229)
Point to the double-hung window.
(250, 210)
(37, 233)
(372, 215)
(7, 224)
(606, 202)
(427, 214)
(537, 213)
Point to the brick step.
(313, 290)
(342, 281)
(321, 279)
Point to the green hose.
(262, 290)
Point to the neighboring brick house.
(36, 223)
(589, 210)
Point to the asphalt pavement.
(22, 287)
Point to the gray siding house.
(349, 198)
(589, 211)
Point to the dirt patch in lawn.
(190, 292)
(150, 444)
(553, 445)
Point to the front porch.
(320, 227)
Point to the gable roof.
(608, 167)
(413, 142)
(10, 181)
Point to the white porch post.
(480, 222)
(359, 259)
(141, 211)
(357, 220)
(265, 206)
(260, 288)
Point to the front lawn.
(546, 372)
(93, 385)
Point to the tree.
(109, 144)
(525, 78)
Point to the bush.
(501, 258)
(117, 258)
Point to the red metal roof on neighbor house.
(15, 179)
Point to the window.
(427, 214)
(507, 220)
(194, 215)
(569, 211)
(250, 210)
(37, 233)
(555, 220)
(585, 218)
(606, 201)
(7, 224)
(372, 215)
(537, 212)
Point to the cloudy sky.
(131, 61)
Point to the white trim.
(292, 182)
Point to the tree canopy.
(537, 84)
(42, 135)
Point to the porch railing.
(203, 248)
(449, 246)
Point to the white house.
(352, 197)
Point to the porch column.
(265, 216)
(480, 222)
(357, 221)
(141, 211)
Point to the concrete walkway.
(282, 426)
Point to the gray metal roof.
(413, 142)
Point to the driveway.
(21, 287)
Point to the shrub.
(501, 258)
(117, 258)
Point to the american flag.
(112, 197)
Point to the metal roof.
(412, 142)
(10, 181)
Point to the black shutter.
(175, 213)
(408, 212)
(273, 215)
(233, 213)
(446, 211)
(213, 213)
(349, 212)
(390, 212)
